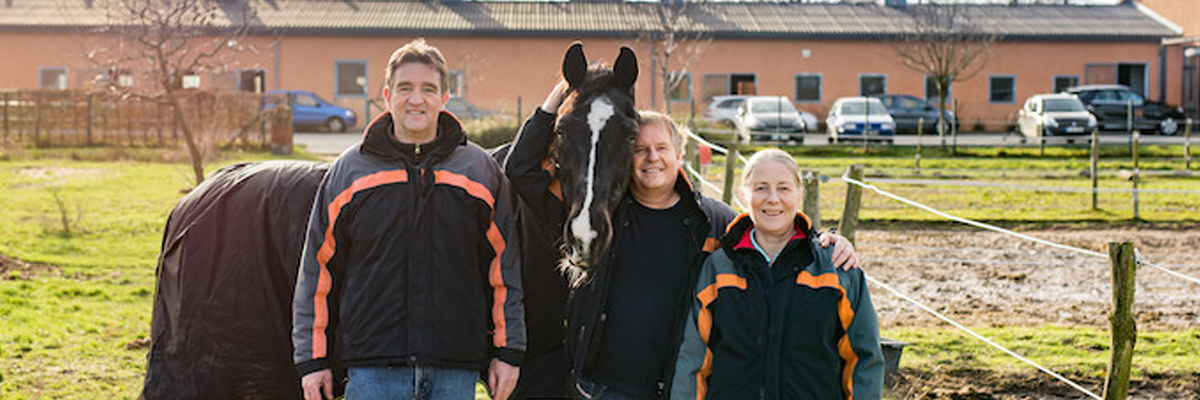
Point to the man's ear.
(626, 68)
(574, 67)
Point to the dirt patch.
(982, 278)
(13, 269)
(971, 384)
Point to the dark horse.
(596, 129)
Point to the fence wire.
(981, 225)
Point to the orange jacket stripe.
(500, 336)
(711, 244)
(846, 314)
(495, 278)
(329, 247)
(704, 324)
(475, 189)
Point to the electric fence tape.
(981, 337)
(981, 225)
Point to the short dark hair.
(418, 51)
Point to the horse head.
(596, 129)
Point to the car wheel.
(335, 125)
(1169, 126)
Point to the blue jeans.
(419, 383)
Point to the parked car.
(1054, 115)
(908, 110)
(723, 109)
(310, 110)
(768, 118)
(1110, 105)
(860, 118)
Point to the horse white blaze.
(581, 226)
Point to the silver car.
(769, 118)
(1059, 114)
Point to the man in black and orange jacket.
(410, 254)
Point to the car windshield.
(772, 106)
(859, 108)
(1063, 105)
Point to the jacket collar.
(380, 143)
(737, 236)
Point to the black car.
(908, 110)
(1110, 105)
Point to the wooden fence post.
(920, 133)
(730, 161)
(1124, 328)
(812, 198)
(1187, 143)
(849, 222)
(6, 116)
(1095, 170)
(1136, 172)
(89, 118)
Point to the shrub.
(492, 131)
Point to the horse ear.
(574, 67)
(626, 69)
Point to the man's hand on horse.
(843, 251)
(502, 379)
(554, 100)
(316, 382)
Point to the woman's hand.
(555, 98)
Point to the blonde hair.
(771, 154)
(678, 133)
(418, 51)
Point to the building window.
(723, 84)
(1002, 89)
(458, 83)
(351, 78)
(931, 92)
(872, 85)
(681, 86)
(52, 78)
(190, 80)
(1062, 82)
(808, 88)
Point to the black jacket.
(544, 371)
(705, 219)
(798, 328)
(410, 255)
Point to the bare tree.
(167, 41)
(675, 44)
(945, 45)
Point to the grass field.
(81, 229)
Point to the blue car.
(310, 110)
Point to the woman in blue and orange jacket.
(772, 318)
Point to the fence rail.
(52, 118)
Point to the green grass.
(1062, 167)
(1072, 352)
(79, 331)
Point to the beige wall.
(1185, 13)
(502, 71)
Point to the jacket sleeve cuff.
(510, 356)
(542, 116)
(311, 366)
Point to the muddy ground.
(981, 279)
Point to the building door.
(1134, 76)
(743, 84)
